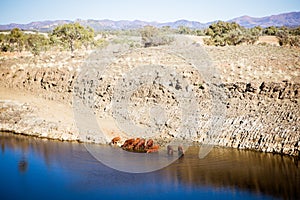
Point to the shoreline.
(193, 144)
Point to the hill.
(286, 19)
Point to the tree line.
(224, 33)
(231, 33)
(64, 37)
(75, 36)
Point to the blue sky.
(25, 11)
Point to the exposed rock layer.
(261, 114)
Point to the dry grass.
(269, 40)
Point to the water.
(32, 168)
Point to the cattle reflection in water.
(259, 174)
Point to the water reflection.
(270, 174)
(256, 175)
(23, 165)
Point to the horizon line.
(159, 22)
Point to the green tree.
(199, 32)
(184, 30)
(234, 37)
(295, 31)
(271, 30)
(73, 35)
(288, 39)
(257, 30)
(224, 33)
(88, 37)
(2, 38)
(209, 32)
(16, 39)
(230, 33)
(4, 42)
(251, 35)
(36, 43)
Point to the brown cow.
(115, 140)
(128, 142)
(130, 147)
(153, 149)
(137, 140)
(140, 145)
(149, 143)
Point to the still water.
(32, 168)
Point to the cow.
(153, 149)
(141, 145)
(180, 151)
(128, 142)
(170, 150)
(115, 140)
(149, 143)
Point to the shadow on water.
(68, 170)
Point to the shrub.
(16, 39)
(184, 30)
(152, 36)
(5, 48)
(286, 39)
(271, 30)
(226, 33)
(295, 31)
(36, 43)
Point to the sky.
(26, 11)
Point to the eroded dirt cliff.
(260, 85)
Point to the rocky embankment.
(261, 104)
(263, 117)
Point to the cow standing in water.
(180, 151)
(170, 150)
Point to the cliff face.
(261, 104)
(263, 117)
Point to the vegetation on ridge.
(74, 36)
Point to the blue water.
(32, 168)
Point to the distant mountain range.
(291, 19)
